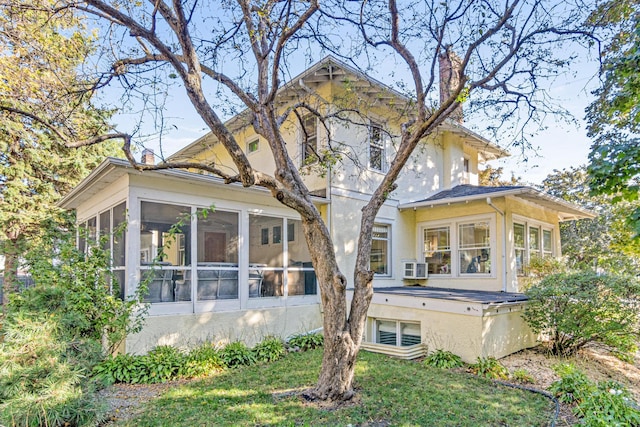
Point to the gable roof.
(326, 70)
(466, 193)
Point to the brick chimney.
(148, 158)
(450, 76)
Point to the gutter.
(504, 243)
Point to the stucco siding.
(250, 326)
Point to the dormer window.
(376, 147)
(309, 140)
(466, 176)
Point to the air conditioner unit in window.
(414, 270)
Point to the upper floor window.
(253, 146)
(437, 250)
(376, 147)
(379, 258)
(309, 140)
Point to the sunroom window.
(217, 256)
(269, 275)
(165, 251)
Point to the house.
(447, 254)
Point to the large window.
(397, 333)
(379, 258)
(165, 251)
(309, 140)
(458, 249)
(376, 147)
(531, 240)
(279, 265)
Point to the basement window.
(396, 333)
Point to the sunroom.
(199, 246)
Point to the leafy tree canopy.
(605, 242)
(40, 107)
(614, 117)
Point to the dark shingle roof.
(470, 190)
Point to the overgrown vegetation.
(306, 342)
(54, 334)
(575, 309)
(598, 404)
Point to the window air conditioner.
(414, 270)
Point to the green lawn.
(390, 393)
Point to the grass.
(390, 392)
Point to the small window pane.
(409, 334)
(546, 241)
(253, 146)
(119, 234)
(376, 147)
(386, 332)
(157, 237)
(379, 257)
(534, 239)
(277, 234)
(437, 250)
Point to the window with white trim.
(396, 333)
(437, 250)
(309, 140)
(376, 147)
(474, 247)
(379, 257)
(458, 249)
(531, 239)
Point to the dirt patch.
(594, 361)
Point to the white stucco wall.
(249, 326)
(468, 329)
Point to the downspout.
(504, 244)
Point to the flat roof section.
(482, 297)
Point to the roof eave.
(566, 211)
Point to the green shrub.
(202, 361)
(443, 359)
(579, 308)
(572, 386)
(123, 368)
(489, 367)
(237, 354)
(609, 404)
(306, 342)
(602, 404)
(523, 376)
(269, 349)
(163, 363)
